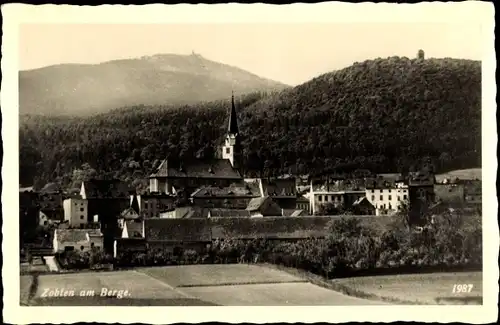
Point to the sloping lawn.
(433, 288)
(275, 294)
(209, 275)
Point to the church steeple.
(233, 120)
(231, 149)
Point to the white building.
(77, 240)
(76, 212)
(321, 195)
(387, 197)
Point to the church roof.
(214, 168)
(235, 190)
(233, 119)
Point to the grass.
(142, 290)
(275, 294)
(432, 288)
(215, 274)
(426, 289)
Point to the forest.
(383, 115)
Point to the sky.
(285, 52)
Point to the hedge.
(351, 247)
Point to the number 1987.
(462, 288)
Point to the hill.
(384, 115)
(83, 89)
(465, 174)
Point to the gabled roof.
(74, 235)
(279, 187)
(361, 200)
(106, 189)
(229, 213)
(235, 190)
(129, 214)
(256, 203)
(211, 168)
(177, 230)
(134, 229)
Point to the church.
(170, 177)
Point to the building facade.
(76, 212)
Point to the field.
(435, 288)
(239, 285)
(195, 285)
(218, 274)
(471, 173)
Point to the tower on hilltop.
(231, 149)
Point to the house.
(77, 240)
(341, 194)
(235, 196)
(282, 191)
(263, 207)
(51, 203)
(473, 192)
(151, 204)
(133, 229)
(175, 235)
(190, 174)
(421, 193)
(387, 195)
(128, 214)
(449, 192)
(76, 211)
(362, 206)
(303, 203)
(228, 213)
(106, 199)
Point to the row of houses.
(206, 189)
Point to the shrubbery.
(352, 247)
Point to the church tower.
(231, 149)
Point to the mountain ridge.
(86, 89)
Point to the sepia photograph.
(251, 163)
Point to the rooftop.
(212, 168)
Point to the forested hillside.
(383, 115)
(86, 89)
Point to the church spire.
(233, 120)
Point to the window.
(404, 197)
(373, 191)
(320, 198)
(228, 150)
(82, 217)
(399, 198)
(92, 245)
(145, 205)
(81, 209)
(373, 197)
(390, 197)
(381, 198)
(82, 248)
(389, 191)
